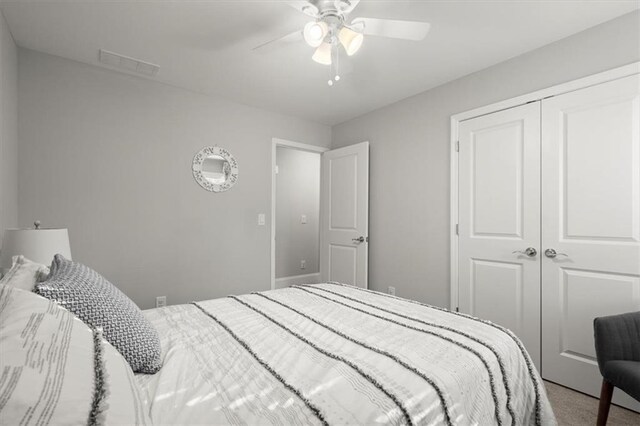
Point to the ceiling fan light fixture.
(315, 32)
(322, 55)
(351, 40)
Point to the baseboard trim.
(297, 279)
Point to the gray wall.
(8, 129)
(109, 156)
(297, 193)
(409, 171)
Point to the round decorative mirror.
(215, 169)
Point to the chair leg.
(605, 402)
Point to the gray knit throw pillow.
(99, 303)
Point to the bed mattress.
(336, 354)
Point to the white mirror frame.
(198, 161)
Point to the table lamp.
(38, 245)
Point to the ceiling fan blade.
(305, 7)
(293, 37)
(405, 30)
(346, 6)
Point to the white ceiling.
(206, 46)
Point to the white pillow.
(24, 274)
(58, 370)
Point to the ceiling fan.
(331, 29)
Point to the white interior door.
(591, 208)
(499, 221)
(345, 215)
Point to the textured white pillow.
(24, 274)
(100, 304)
(58, 370)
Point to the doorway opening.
(295, 228)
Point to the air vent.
(127, 63)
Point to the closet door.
(499, 221)
(591, 210)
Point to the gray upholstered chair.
(617, 341)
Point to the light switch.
(303, 219)
(261, 219)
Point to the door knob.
(551, 253)
(530, 251)
(358, 240)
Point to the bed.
(337, 354)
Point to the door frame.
(275, 143)
(581, 83)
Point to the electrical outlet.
(391, 291)
(261, 219)
(303, 219)
(303, 264)
(161, 301)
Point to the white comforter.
(333, 354)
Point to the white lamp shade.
(315, 32)
(37, 245)
(322, 55)
(351, 40)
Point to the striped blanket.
(335, 354)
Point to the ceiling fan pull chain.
(330, 82)
(337, 74)
(334, 63)
(334, 75)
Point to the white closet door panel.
(591, 210)
(499, 213)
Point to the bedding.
(24, 274)
(99, 303)
(336, 354)
(55, 370)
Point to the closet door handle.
(530, 251)
(551, 253)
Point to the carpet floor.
(577, 409)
